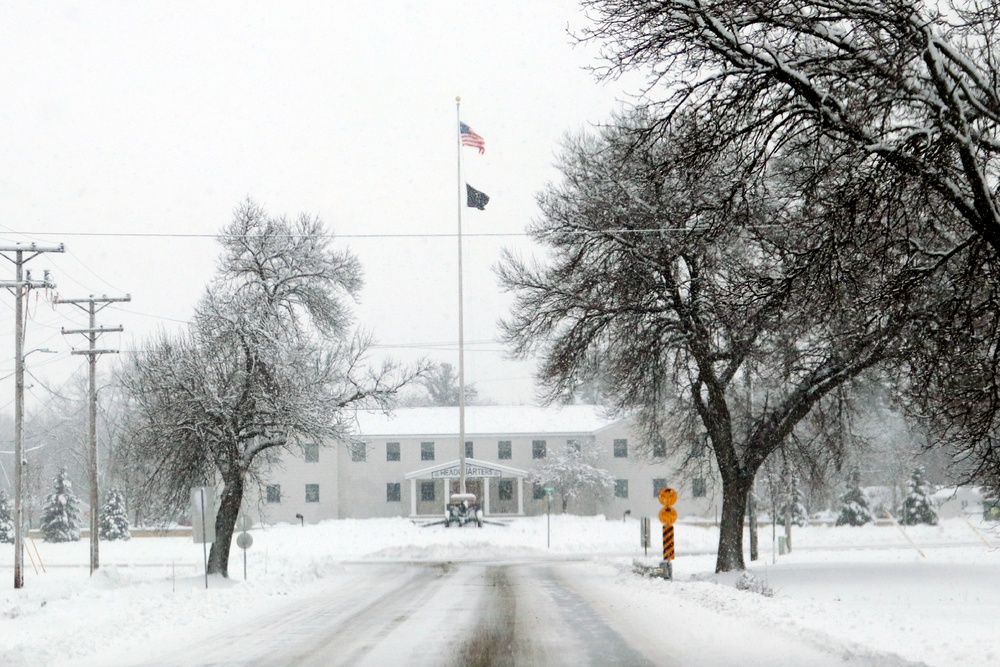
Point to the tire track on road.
(363, 630)
(527, 617)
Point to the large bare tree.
(913, 86)
(747, 304)
(902, 80)
(269, 361)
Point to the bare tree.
(903, 88)
(759, 300)
(911, 85)
(56, 431)
(269, 361)
(441, 383)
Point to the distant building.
(967, 501)
(407, 465)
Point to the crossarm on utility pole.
(22, 283)
(90, 306)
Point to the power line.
(156, 235)
(400, 235)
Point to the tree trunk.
(735, 488)
(752, 505)
(225, 523)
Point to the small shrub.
(748, 582)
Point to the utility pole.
(22, 283)
(92, 332)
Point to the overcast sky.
(130, 130)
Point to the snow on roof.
(485, 420)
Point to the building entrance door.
(471, 486)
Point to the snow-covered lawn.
(935, 600)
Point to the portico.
(479, 475)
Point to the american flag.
(470, 138)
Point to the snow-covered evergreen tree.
(792, 505)
(114, 518)
(918, 506)
(61, 518)
(855, 511)
(6, 520)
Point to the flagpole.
(461, 327)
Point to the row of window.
(539, 450)
(505, 490)
(359, 451)
(274, 493)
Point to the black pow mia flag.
(476, 199)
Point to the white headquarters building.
(407, 464)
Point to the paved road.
(472, 614)
(462, 614)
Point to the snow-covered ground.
(931, 594)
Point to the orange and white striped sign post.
(668, 515)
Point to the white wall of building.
(292, 478)
(353, 479)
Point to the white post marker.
(548, 489)
(644, 532)
(203, 508)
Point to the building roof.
(485, 420)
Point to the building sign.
(470, 471)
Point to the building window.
(698, 448)
(274, 493)
(659, 447)
(426, 451)
(698, 487)
(621, 488)
(503, 450)
(658, 483)
(573, 444)
(359, 452)
(310, 451)
(468, 450)
(621, 448)
(537, 492)
(505, 489)
(427, 491)
(392, 492)
(312, 493)
(538, 449)
(392, 451)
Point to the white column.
(413, 497)
(486, 496)
(520, 495)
